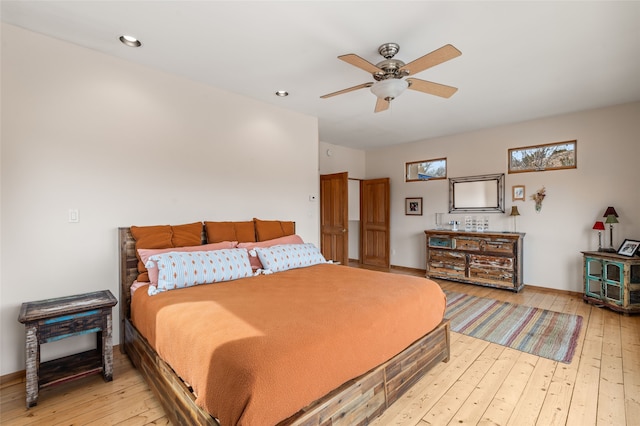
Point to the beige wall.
(608, 152)
(338, 159)
(126, 145)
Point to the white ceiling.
(520, 60)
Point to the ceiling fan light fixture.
(389, 89)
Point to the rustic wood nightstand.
(54, 319)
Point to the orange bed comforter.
(259, 349)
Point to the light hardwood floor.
(483, 383)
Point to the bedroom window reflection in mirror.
(426, 170)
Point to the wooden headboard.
(128, 274)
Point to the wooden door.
(374, 222)
(334, 217)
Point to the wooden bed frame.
(358, 401)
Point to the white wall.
(127, 145)
(338, 159)
(607, 158)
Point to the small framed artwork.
(629, 248)
(413, 206)
(517, 192)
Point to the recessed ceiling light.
(282, 93)
(130, 41)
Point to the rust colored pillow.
(186, 235)
(150, 237)
(270, 229)
(243, 232)
(164, 236)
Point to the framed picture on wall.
(518, 192)
(413, 206)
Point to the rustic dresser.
(487, 258)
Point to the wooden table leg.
(32, 365)
(107, 347)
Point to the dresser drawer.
(497, 246)
(447, 263)
(491, 268)
(490, 274)
(486, 261)
(442, 242)
(468, 244)
(482, 244)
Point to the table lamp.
(612, 217)
(514, 213)
(599, 226)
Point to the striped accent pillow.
(186, 269)
(289, 256)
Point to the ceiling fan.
(389, 75)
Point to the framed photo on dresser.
(629, 248)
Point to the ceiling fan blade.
(350, 89)
(381, 105)
(359, 62)
(429, 60)
(431, 88)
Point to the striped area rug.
(536, 331)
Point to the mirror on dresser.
(477, 194)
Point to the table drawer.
(58, 328)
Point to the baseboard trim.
(411, 270)
(12, 378)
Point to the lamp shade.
(514, 211)
(611, 219)
(610, 211)
(389, 89)
(598, 226)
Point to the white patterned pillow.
(289, 256)
(186, 269)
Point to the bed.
(362, 383)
